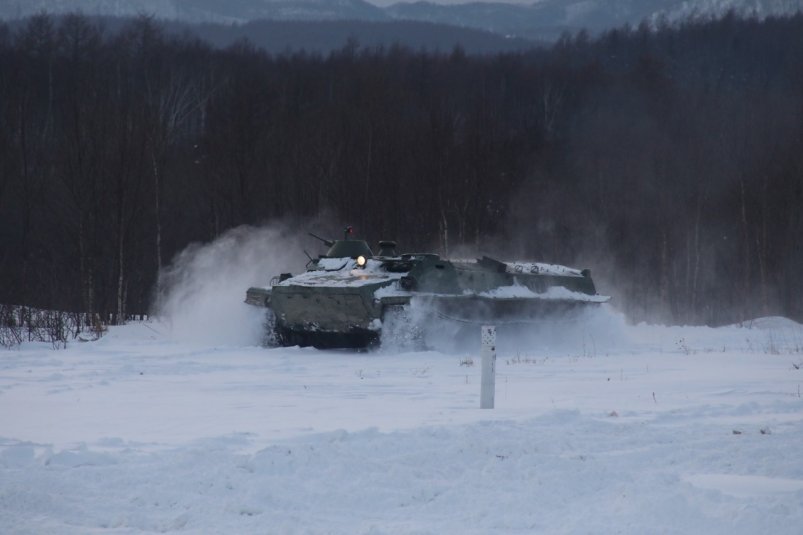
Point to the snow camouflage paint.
(609, 429)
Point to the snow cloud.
(203, 290)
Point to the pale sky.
(382, 3)
(385, 3)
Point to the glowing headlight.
(361, 261)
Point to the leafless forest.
(669, 161)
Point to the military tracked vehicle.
(349, 296)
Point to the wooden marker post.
(488, 353)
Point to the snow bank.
(647, 429)
(561, 473)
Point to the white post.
(488, 354)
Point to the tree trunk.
(120, 275)
(444, 224)
(696, 268)
(158, 237)
(746, 289)
(761, 249)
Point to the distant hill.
(326, 36)
(547, 19)
(542, 19)
(226, 11)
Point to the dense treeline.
(670, 160)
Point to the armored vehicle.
(349, 297)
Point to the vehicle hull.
(346, 302)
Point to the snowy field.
(598, 428)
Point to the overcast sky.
(384, 3)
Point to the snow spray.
(204, 287)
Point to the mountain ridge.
(540, 20)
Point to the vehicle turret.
(348, 247)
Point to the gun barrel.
(326, 242)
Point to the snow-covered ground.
(600, 428)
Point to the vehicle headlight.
(361, 261)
